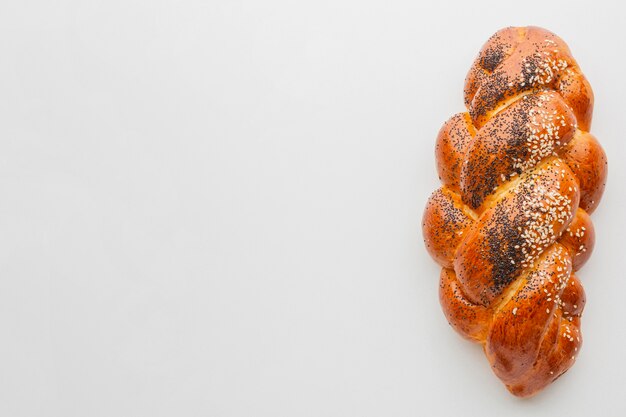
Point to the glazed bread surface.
(510, 224)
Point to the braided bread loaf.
(510, 225)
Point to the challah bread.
(510, 225)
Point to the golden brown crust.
(445, 220)
(576, 91)
(518, 226)
(560, 343)
(453, 140)
(469, 319)
(513, 141)
(587, 159)
(519, 325)
(516, 61)
(579, 238)
(498, 49)
(521, 174)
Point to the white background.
(213, 208)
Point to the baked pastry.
(510, 225)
